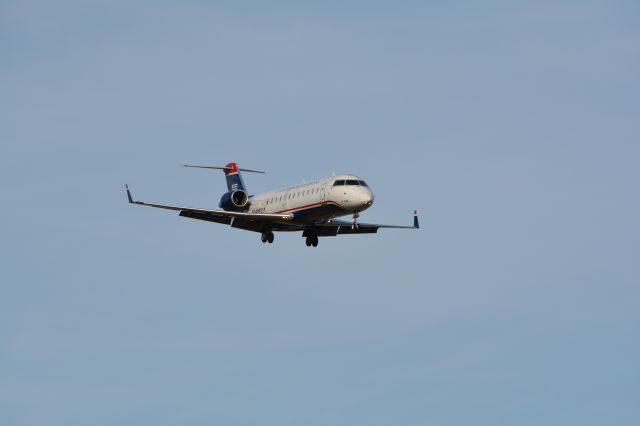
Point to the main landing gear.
(312, 240)
(267, 237)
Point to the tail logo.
(230, 169)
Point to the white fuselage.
(320, 199)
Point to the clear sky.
(512, 126)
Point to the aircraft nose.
(367, 198)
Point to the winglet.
(128, 193)
(416, 224)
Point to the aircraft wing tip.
(126, 186)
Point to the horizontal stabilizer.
(227, 169)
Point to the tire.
(270, 237)
(264, 237)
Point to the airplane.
(310, 207)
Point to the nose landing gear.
(312, 240)
(356, 215)
(267, 237)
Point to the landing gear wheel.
(312, 240)
(267, 237)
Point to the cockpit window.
(352, 182)
(363, 183)
(339, 183)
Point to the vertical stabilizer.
(234, 178)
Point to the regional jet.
(310, 208)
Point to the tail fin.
(233, 177)
(231, 173)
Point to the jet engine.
(234, 201)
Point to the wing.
(219, 216)
(338, 227)
(341, 223)
(367, 225)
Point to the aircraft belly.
(312, 214)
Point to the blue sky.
(512, 126)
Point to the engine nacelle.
(234, 200)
